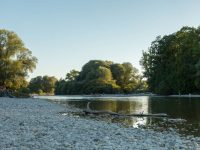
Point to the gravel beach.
(38, 124)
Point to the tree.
(16, 61)
(104, 73)
(36, 84)
(43, 84)
(171, 63)
(98, 77)
(49, 84)
(88, 71)
(72, 75)
(118, 73)
(131, 78)
(60, 87)
(126, 76)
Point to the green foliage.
(89, 70)
(131, 78)
(126, 76)
(171, 65)
(36, 84)
(16, 61)
(72, 75)
(60, 87)
(118, 73)
(142, 86)
(41, 85)
(22, 92)
(100, 77)
(49, 84)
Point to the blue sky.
(65, 34)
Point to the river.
(184, 113)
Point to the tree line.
(171, 65)
(101, 77)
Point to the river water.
(184, 113)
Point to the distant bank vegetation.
(98, 77)
(171, 65)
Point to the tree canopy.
(97, 77)
(41, 85)
(16, 61)
(172, 63)
(72, 75)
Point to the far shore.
(121, 95)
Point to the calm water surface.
(184, 113)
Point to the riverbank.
(39, 124)
(112, 96)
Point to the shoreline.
(117, 96)
(39, 124)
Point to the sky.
(66, 34)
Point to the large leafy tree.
(118, 72)
(89, 70)
(99, 76)
(16, 61)
(49, 84)
(96, 77)
(126, 76)
(72, 75)
(60, 87)
(45, 84)
(131, 78)
(171, 64)
(36, 84)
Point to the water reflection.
(122, 106)
(186, 108)
(184, 112)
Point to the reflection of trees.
(187, 108)
(176, 107)
(123, 107)
(104, 105)
(129, 106)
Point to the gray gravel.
(37, 124)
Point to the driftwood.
(105, 112)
